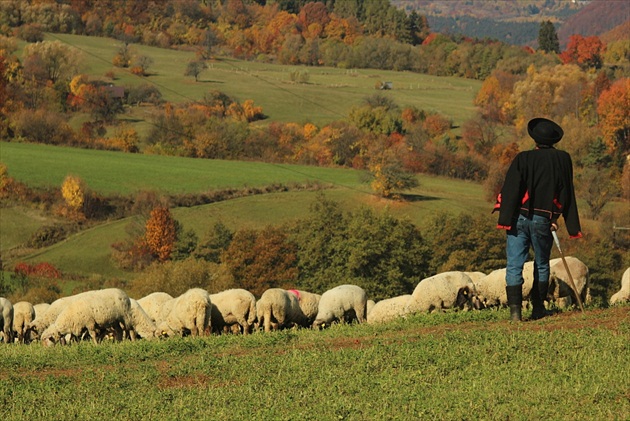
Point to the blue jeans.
(526, 233)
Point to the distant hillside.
(517, 22)
(597, 18)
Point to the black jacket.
(539, 181)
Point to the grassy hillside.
(119, 173)
(327, 96)
(451, 366)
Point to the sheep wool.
(277, 308)
(48, 316)
(23, 315)
(190, 312)
(141, 323)
(623, 295)
(6, 320)
(442, 291)
(233, 307)
(342, 303)
(92, 311)
(560, 290)
(309, 304)
(388, 309)
(153, 304)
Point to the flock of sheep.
(110, 312)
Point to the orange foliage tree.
(613, 108)
(161, 233)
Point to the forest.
(584, 87)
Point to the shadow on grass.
(417, 198)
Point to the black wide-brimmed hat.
(544, 131)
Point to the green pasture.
(328, 95)
(451, 366)
(110, 173)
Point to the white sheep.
(40, 308)
(153, 304)
(277, 308)
(623, 295)
(48, 316)
(23, 315)
(6, 320)
(235, 306)
(190, 312)
(342, 303)
(445, 290)
(370, 306)
(141, 323)
(389, 309)
(490, 289)
(560, 290)
(94, 312)
(309, 304)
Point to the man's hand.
(554, 226)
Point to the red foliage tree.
(584, 51)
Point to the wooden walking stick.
(566, 266)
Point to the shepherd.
(537, 190)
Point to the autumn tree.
(389, 178)
(548, 38)
(74, 192)
(613, 108)
(58, 61)
(259, 260)
(161, 233)
(584, 51)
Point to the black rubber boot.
(538, 296)
(515, 302)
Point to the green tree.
(194, 68)
(548, 38)
(216, 241)
(383, 255)
(465, 242)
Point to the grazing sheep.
(190, 312)
(48, 316)
(309, 304)
(40, 308)
(153, 304)
(389, 309)
(23, 315)
(344, 302)
(6, 320)
(623, 295)
(491, 288)
(370, 306)
(442, 291)
(94, 312)
(277, 308)
(141, 323)
(560, 290)
(233, 307)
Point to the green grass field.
(328, 96)
(450, 366)
(119, 173)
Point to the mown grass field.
(450, 366)
(328, 95)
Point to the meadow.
(327, 96)
(448, 366)
(88, 251)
